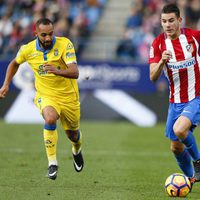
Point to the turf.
(122, 162)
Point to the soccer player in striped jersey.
(53, 62)
(175, 51)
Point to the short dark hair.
(171, 8)
(44, 21)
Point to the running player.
(53, 62)
(175, 51)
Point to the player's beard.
(45, 45)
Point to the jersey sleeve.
(69, 55)
(155, 53)
(21, 55)
(194, 33)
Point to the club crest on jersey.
(55, 52)
(189, 48)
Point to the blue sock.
(184, 161)
(191, 146)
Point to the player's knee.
(50, 115)
(73, 135)
(50, 120)
(179, 131)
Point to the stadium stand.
(75, 19)
(143, 24)
(103, 41)
(114, 35)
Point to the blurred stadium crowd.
(73, 18)
(143, 25)
(77, 19)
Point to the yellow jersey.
(59, 55)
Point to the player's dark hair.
(171, 8)
(44, 21)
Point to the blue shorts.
(191, 110)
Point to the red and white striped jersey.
(183, 69)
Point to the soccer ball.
(177, 185)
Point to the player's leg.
(180, 152)
(76, 140)
(182, 130)
(50, 112)
(50, 139)
(70, 120)
(182, 157)
(75, 137)
(184, 127)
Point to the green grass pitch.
(122, 162)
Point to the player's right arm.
(157, 58)
(11, 70)
(156, 68)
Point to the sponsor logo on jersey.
(41, 70)
(70, 55)
(56, 52)
(151, 53)
(182, 64)
(39, 100)
(48, 141)
(33, 55)
(69, 46)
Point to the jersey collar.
(43, 50)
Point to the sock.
(76, 145)
(184, 161)
(50, 141)
(191, 146)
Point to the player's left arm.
(70, 72)
(194, 33)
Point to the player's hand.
(51, 69)
(166, 55)
(3, 91)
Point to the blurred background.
(112, 40)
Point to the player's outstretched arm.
(11, 70)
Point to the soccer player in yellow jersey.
(53, 62)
